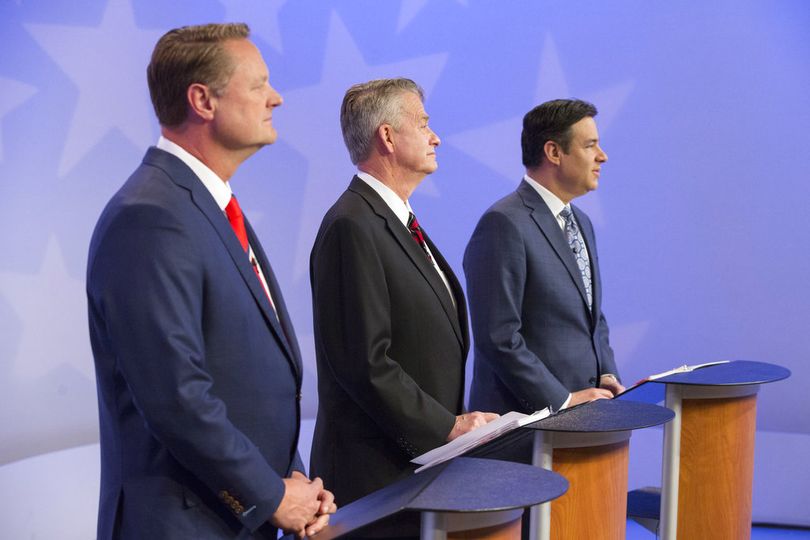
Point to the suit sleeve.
(352, 313)
(147, 287)
(496, 271)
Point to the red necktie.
(234, 214)
(416, 233)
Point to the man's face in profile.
(580, 166)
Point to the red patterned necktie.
(234, 214)
(416, 233)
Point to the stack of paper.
(475, 438)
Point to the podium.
(589, 445)
(708, 462)
(461, 498)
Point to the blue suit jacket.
(198, 381)
(535, 338)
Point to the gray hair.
(369, 105)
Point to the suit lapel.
(460, 310)
(414, 252)
(202, 199)
(586, 229)
(282, 324)
(544, 219)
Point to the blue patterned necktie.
(574, 238)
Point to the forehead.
(585, 129)
(246, 58)
(412, 105)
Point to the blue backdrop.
(701, 214)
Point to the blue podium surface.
(734, 373)
(462, 485)
(604, 415)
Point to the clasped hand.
(305, 507)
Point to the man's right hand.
(299, 506)
(469, 421)
(589, 394)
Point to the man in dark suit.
(532, 272)
(197, 365)
(390, 317)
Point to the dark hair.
(551, 121)
(188, 55)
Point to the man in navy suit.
(532, 269)
(197, 365)
(391, 331)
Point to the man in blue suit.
(197, 365)
(532, 269)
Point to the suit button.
(223, 494)
(298, 396)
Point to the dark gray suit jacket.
(390, 347)
(535, 338)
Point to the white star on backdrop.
(625, 339)
(12, 95)
(47, 304)
(311, 115)
(409, 9)
(108, 66)
(260, 15)
(502, 139)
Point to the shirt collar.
(552, 201)
(221, 191)
(401, 209)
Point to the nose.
(434, 139)
(602, 156)
(274, 99)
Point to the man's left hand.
(610, 382)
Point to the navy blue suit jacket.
(535, 338)
(198, 381)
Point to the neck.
(548, 179)
(399, 183)
(196, 142)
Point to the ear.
(201, 101)
(385, 138)
(553, 152)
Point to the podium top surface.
(459, 485)
(605, 415)
(734, 373)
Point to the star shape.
(12, 95)
(501, 139)
(47, 304)
(107, 65)
(409, 9)
(260, 15)
(311, 115)
(627, 337)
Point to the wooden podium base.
(504, 531)
(498, 525)
(717, 443)
(595, 505)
